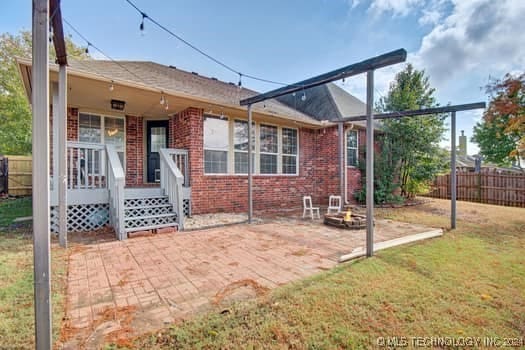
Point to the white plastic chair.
(334, 203)
(307, 206)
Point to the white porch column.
(61, 154)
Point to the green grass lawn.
(16, 288)
(11, 209)
(471, 282)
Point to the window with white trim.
(95, 128)
(216, 145)
(289, 151)
(352, 143)
(240, 147)
(268, 149)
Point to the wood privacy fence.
(16, 175)
(485, 187)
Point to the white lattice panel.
(186, 207)
(84, 217)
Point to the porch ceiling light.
(118, 105)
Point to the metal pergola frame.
(368, 66)
(44, 13)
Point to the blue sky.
(460, 43)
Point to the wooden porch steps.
(147, 209)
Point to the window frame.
(256, 148)
(254, 132)
(356, 148)
(282, 154)
(228, 150)
(103, 117)
(277, 154)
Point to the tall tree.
(415, 141)
(15, 113)
(501, 133)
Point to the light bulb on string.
(303, 98)
(111, 86)
(240, 81)
(167, 106)
(141, 27)
(87, 48)
(162, 100)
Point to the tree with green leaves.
(15, 112)
(500, 135)
(415, 141)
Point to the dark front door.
(157, 138)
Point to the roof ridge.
(332, 100)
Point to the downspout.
(342, 172)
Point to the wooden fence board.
(19, 181)
(486, 187)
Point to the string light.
(195, 48)
(167, 106)
(303, 98)
(162, 99)
(142, 22)
(111, 86)
(240, 81)
(87, 48)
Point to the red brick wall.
(72, 124)
(318, 171)
(134, 151)
(72, 131)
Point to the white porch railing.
(86, 162)
(172, 180)
(116, 181)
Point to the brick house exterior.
(311, 165)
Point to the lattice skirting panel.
(83, 217)
(186, 205)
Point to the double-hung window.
(351, 148)
(269, 149)
(94, 128)
(216, 145)
(240, 146)
(289, 152)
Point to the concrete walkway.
(146, 283)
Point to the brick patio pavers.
(170, 276)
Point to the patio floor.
(145, 283)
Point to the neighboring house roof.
(169, 78)
(326, 102)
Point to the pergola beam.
(419, 112)
(373, 63)
(58, 32)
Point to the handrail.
(171, 181)
(116, 181)
(89, 145)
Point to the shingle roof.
(326, 102)
(169, 78)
